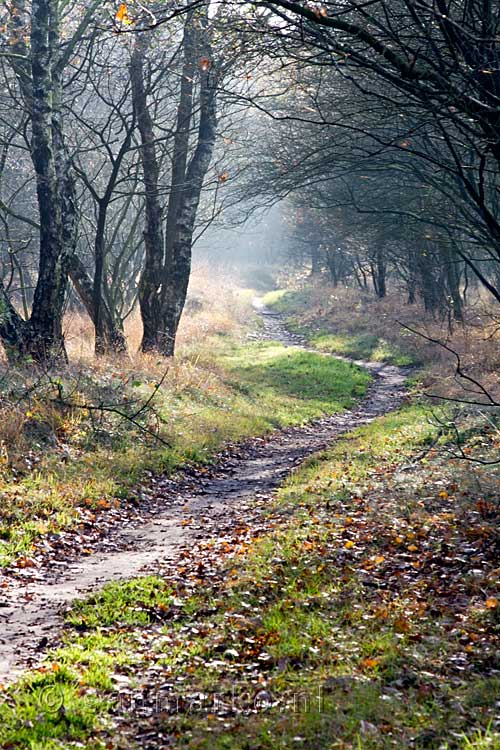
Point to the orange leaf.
(349, 545)
(491, 602)
(122, 15)
(401, 625)
(370, 663)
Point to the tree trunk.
(174, 289)
(181, 147)
(167, 268)
(452, 282)
(331, 262)
(13, 329)
(379, 272)
(153, 234)
(315, 260)
(112, 334)
(411, 282)
(427, 282)
(42, 337)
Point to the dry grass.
(214, 306)
(28, 416)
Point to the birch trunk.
(175, 285)
(153, 232)
(39, 72)
(165, 278)
(181, 147)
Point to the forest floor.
(348, 600)
(179, 512)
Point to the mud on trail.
(181, 512)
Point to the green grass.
(288, 301)
(363, 345)
(137, 602)
(334, 613)
(318, 384)
(227, 391)
(47, 710)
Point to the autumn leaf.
(349, 545)
(122, 15)
(205, 63)
(491, 602)
(401, 625)
(321, 11)
(224, 177)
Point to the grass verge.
(225, 391)
(309, 319)
(367, 619)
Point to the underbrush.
(74, 443)
(366, 619)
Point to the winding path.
(31, 613)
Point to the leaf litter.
(122, 539)
(410, 554)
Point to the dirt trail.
(30, 612)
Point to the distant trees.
(386, 143)
(387, 119)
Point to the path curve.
(31, 612)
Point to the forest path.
(182, 513)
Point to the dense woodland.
(127, 130)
